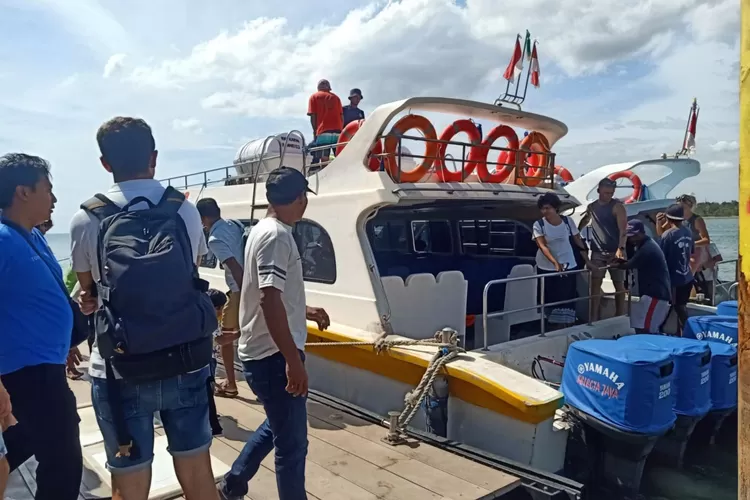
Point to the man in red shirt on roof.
(326, 117)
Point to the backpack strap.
(100, 207)
(171, 200)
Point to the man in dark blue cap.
(351, 111)
(678, 245)
(651, 280)
(273, 331)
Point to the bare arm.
(704, 240)
(581, 248)
(541, 242)
(313, 123)
(236, 269)
(622, 224)
(585, 220)
(87, 299)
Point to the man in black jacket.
(652, 283)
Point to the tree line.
(718, 209)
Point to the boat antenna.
(688, 142)
(515, 72)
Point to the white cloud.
(190, 124)
(114, 64)
(725, 146)
(720, 165)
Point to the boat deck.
(346, 460)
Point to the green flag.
(527, 46)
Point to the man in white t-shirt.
(273, 331)
(128, 153)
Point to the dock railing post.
(743, 432)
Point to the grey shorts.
(602, 259)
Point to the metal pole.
(484, 308)
(743, 443)
(541, 303)
(591, 295)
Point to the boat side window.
(495, 237)
(316, 252)
(389, 236)
(431, 236)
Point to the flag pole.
(743, 346)
(507, 85)
(518, 81)
(683, 149)
(528, 73)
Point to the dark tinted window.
(431, 236)
(316, 251)
(495, 237)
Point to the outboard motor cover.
(692, 370)
(621, 385)
(712, 328)
(723, 376)
(727, 308)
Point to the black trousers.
(47, 429)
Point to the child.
(219, 300)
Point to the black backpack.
(245, 232)
(156, 320)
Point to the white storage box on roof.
(248, 159)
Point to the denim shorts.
(182, 403)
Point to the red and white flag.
(534, 67)
(689, 145)
(515, 66)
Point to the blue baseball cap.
(284, 185)
(635, 227)
(676, 212)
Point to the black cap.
(635, 227)
(676, 212)
(284, 185)
(355, 93)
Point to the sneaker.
(224, 496)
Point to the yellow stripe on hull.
(403, 366)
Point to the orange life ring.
(346, 136)
(507, 158)
(637, 184)
(564, 173)
(402, 126)
(475, 137)
(538, 146)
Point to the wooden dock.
(346, 460)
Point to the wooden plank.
(435, 480)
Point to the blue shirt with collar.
(352, 114)
(35, 314)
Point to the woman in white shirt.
(556, 236)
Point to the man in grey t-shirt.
(225, 242)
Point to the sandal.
(74, 374)
(221, 391)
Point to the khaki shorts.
(230, 318)
(599, 260)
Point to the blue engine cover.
(712, 329)
(692, 370)
(623, 386)
(723, 376)
(727, 308)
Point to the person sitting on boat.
(651, 280)
(678, 245)
(327, 120)
(37, 321)
(352, 113)
(609, 220)
(225, 242)
(560, 249)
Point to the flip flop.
(74, 375)
(222, 392)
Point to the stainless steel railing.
(728, 286)
(541, 306)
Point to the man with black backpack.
(135, 251)
(225, 240)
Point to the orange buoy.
(637, 184)
(346, 136)
(402, 126)
(506, 161)
(564, 173)
(475, 137)
(537, 159)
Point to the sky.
(208, 76)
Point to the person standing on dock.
(678, 245)
(609, 221)
(37, 321)
(225, 242)
(128, 390)
(273, 315)
(652, 284)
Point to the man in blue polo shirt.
(36, 320)
(351, 111)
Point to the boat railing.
(486, 315)
(728, 286)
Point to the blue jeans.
(182, 403)
(284, 429)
